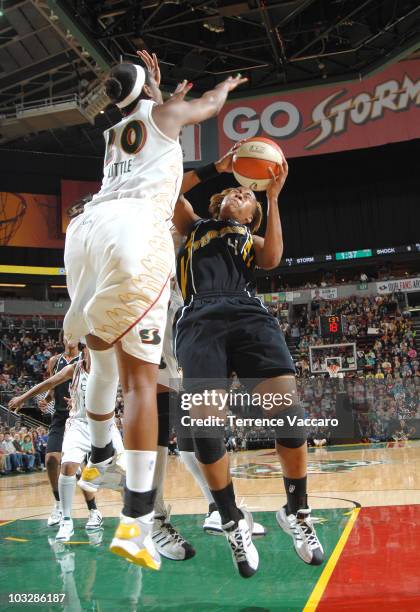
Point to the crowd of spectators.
(22, 449)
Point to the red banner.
(71, 192)
(356, 115)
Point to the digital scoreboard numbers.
(330, 326)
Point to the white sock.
(159, 479)
(101, 392)
(66, 488)
(193, 466)
(140, 470)
(100, 431)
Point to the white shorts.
(168, 371)
(119, 257)
(77, 444)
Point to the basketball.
(253, 160)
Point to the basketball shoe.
(95, 520)
(133, 541)
(168, 541)
(93, 475)
(56, 515)
(300, 528)
(244, 554)
(213, 525)
(66, 530)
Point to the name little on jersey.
(119, 168)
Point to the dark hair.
(216, 202)
(120, 83)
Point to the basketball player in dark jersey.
(223, 328)
(56, 431)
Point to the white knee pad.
(102, 383)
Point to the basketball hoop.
(333, 370)
(12, 210)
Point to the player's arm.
(204, 173)
(171, 116)
(184, 216)
(62, 376)
(269, 250)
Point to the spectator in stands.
(28, 448)
(9, 448)
(28, 460)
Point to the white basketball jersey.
(141, 162)
(175, 300)
(78, 392)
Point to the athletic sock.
(56, 495)
(212, 507)
(297, 498)
(226, 504)
(91, 504)
(159, 479)
(193, 466)
(66, 487)
(140, 470)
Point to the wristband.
(205, 173)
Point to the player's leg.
(67, 487)
(133, 536)
(295, 517)
(168, 541)
(53, 463)
(212, 521)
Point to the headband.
(137, 88)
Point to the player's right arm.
(171, 116)
(62, 376)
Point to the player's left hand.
(224, 164)
(15, 404)
(277, 183)
(152, 64)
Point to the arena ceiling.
(57, 47)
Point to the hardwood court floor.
(372, 553)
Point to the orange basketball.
(252, 161)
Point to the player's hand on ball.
(15, 404)
(277, 183)
(224, 164)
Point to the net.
(12, 210)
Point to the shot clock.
(330, 326)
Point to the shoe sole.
(142, 557)
(86, 486)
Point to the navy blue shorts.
(216, 335)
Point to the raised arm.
(269, 250)
(62, 376)
(171, 116)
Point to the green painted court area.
(93, 579)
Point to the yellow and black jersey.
(217, 256)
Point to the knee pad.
(163, 418)
(209, 450)
(185, 444)
(291, 434)
(102, 382)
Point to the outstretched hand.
(277, 182)
(152, 64)
(15, 404)
(233, 82)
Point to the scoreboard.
(330, 326)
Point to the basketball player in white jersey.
(76, 440)
(119, 258)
